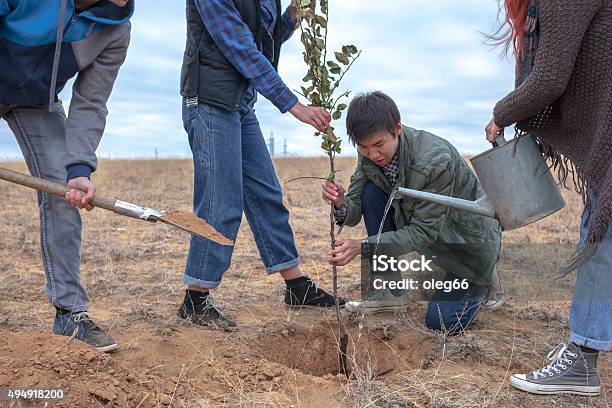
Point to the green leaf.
(337, 115)
(308, 77)
(343, 59)
(336, 71)
(321, 21)
(330, 135)
(320, 44)
(332, 64)
(315, 98)
(325, 85)
(341, 107)
(349, 50)
(330, 138)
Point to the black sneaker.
(207, 315)
(86, 330)
(303, 292)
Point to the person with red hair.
(563, 98)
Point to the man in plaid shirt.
(232, 53)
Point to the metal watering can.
(519, 186)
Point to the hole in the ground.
(313, 350)
(309, 350)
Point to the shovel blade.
(196, 226)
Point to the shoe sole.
(376, 309)
(540, 389)
(497, 305)
(209, 325)
(311, 307)
(108, 349)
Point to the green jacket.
(463, 243)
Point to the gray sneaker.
(86, 330)
(571, 371)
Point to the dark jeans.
(446, 312)
(234, 174)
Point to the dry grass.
(278, 358)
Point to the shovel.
(178, 219)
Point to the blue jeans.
(591, 309)
(42, 138)
(446, 312)
(233, 173)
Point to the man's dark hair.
(369, 113)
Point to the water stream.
(394, 193)
(392, 196)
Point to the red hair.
(515, 20)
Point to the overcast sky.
(428, 55)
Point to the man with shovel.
(465, 245)
(43, 44)
(232, 53)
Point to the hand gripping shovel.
(182, 220)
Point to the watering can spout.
(519, 188)
(481, 206)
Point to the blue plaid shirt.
(236, 42)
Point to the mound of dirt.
(42, 360)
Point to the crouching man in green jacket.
(466, 246)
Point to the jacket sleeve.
(353, 197)
(4, 8)
(288, 25)
(424, 227)
(563, 24)
(87, 115)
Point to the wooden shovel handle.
(51, 187)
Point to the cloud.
(428, 55)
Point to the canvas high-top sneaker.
(571, 371)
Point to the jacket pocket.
(471, 228)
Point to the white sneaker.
(369, 307)
(495, 297)
(494, 301)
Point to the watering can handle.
(500, 140)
